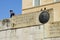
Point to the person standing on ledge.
(12, 13)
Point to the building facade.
(28, 26)
(51, 30)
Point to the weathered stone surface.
(52, 30)
(26, 19)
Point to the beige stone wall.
(54, 6)
(26, 19)
(44, 2)
(29, 33)
(27, 4)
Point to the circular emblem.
(44, 17)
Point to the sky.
(6, 5)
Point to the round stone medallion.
(44, 17)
